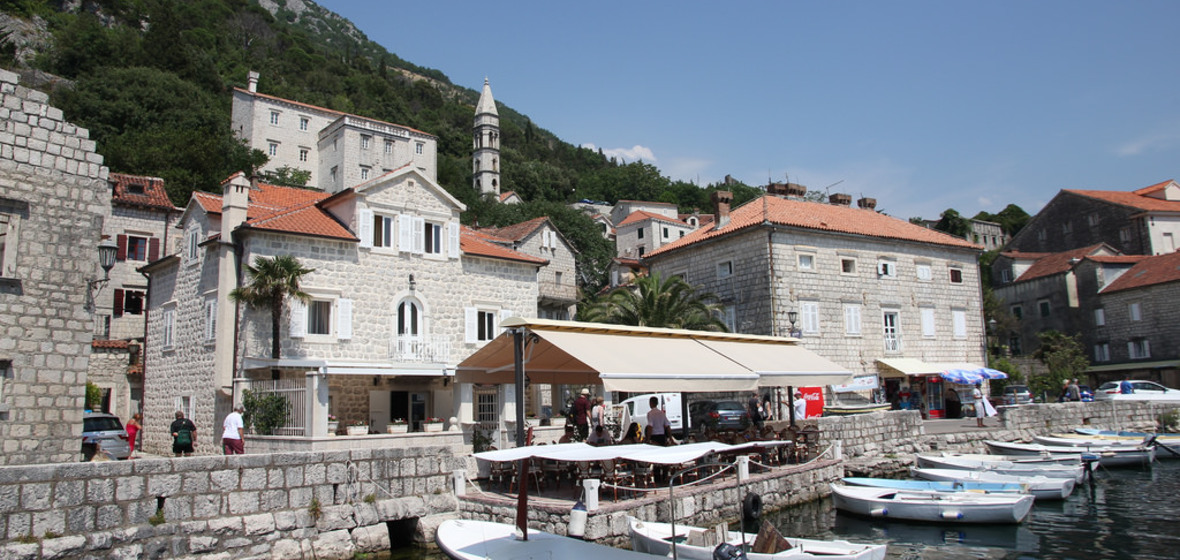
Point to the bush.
(265, 412)
(93, 396)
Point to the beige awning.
(643, 360)
(900, 367)
(1133, 366)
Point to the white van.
(635, 410)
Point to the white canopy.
(916, 367)
(673, 455)
(645, 360)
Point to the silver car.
(1144, 391)
(104, 433)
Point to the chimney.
(777, 189)
(235, 198)
(721, 201)
(796, 190)
(252, 80)
(840, 199)
(867, 203)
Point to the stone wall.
(231, 507)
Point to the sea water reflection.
(1126, 513)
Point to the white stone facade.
(53, 200)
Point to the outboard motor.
(726, 551)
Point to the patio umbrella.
(962, 376)
(989, 373)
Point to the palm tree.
(272, 281)
(652, 301)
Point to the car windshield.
(1108, 385)
(101, 424)
(730, 405)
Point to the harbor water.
(1126, 513)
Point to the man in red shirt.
(582, 414)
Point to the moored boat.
(942, 507)
(1030, 467)
(1107, 456)
(937, 485)
(1041, 487)
(656, 538)
(463, 539)
(1168, 445)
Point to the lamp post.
(793, 316)
(107, 251)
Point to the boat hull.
(1041, 487)
(653, 538)
(952, 485)
(936, 507)
(462, 539)
(1107, 456)
(1032, 468)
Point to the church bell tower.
(486, 133)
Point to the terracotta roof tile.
(472, 242)
(1057, 263)
(516, 232)
(1154, 188)
(113, 344)
(1133, 199)
(135, 190)
(818, 216)
(641, 215)
(1150, 271)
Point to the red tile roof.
(818, 216)
(151, 191)
(113, 344)
(516, 232)
(1150, 271)
(1145, 191)
(641, 215)
(473, 242)
(1057, 263)
(506, 195)
(1135, 200)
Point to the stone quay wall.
(323, 505)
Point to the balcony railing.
(421, 351)
(557, 292)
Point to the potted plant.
(358, 428)
(398, 426)
(432, 425)
(333, 424)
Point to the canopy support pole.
(522, 490)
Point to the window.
(194, 240)
(388, 147)
(1092, 219)
(272, 149)
(11, 212)
(642, 250)
(959, 323)
(892, 331)
(5, 375)
(1133, 310)
(1125, 235)
(1099, 317)
(1005, 275)
(929, 329)
(809, 313)
(848, 266)
(482, 324)
(432, 234)
(304, 123)
(1102, 352)
(274, 118)
(1042, 235)
(665, 233)
(1017, 312)
(725, 269)
(729, 317)
(557, 278)
(303, 154)
(639, 233)
(1015, 346)
(887, 268)
(485, 326)
(382, 231)
(924, 273)
(184, 404)
(1067, 228)
(486, 406)
(364, 172)
(137, 248)
(127, 301)
(852, 319)
(332, 175)
(956, 276)
(319, 317)
(365, 141)
(418, 147)
(806, 262)
(168, 326)
(210, 319)
(1139, 348)
(409, 327)
(1043, 306)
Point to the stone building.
(400, 293)
(1136, 322)
(141, 222)
(642, 232)
(989, 234)
(875, 294)
(53, 201)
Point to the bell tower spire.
(486, 150)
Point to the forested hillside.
(151, 79)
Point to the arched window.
(495, 164)
(409, 319)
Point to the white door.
(378, 410)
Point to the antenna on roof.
(829, 187)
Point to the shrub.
(265, 412)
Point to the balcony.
(558, 293)
(421, 351)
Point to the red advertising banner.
(815, 400)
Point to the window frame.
(929, 320)
(959, 323)
(891, 330)
(805, 261)
(887, 268)
(168, 327)
(1044, 308)
(956, 275)
(304, 123)
(725, 269)
(1099, 316)
(1138, 348)
(848, 266)
(852, 319)
(1134, 311)
(275, 117)
(809, 317)
(1102, 352)
(924, 272)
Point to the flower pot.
(397, 428)
(432, 426)
(358, 430)
(333, 427)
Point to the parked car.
(1144, 391)
(721, 415)
(1017, 394)
(635, 410)
(104, 433)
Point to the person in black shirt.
(184, 435)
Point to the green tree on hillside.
(952, 223)
(1064, 356)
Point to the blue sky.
(922, 105)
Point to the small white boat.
(1107, 456)
(656, 538)
(943, 507)
(463, 539)
(1030, 467)
(951, 485)
(1167, 445)
(1041, 487)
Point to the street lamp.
(107, 251)
(793, 316)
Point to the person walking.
(598, 413)
(980, 408)
(134, 425)
(1074, 391)
(184, 435)
(233, 436)
(1125, 386)
(800, 406)
(754, 409)
(657, 421)
(582, 414)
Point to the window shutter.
(419, 229)
(1131, 349)
(504, 314)
(365, 228)
(405, 234)
(298, 319)
(153, 249)
(453, 250)
(117, 303)
(210, 319)
(121, 241)
(344, 319)
(471, 330)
